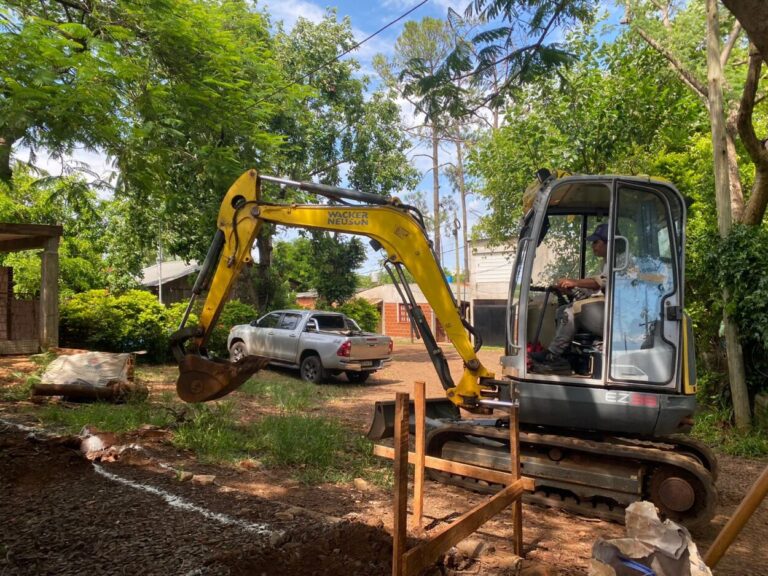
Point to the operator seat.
(588, 315)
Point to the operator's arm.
(570, 283)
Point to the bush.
(234, 312)
(363, 312)
(133, 321)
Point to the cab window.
(289, 321)
(268, 321)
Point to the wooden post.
(743, 513)
(420, 406)
(514, 460)
(49, 295)
(400, 503)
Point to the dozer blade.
(202, 379)
(383, 423)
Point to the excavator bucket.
(202, 379)
(383, 423)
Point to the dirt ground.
(63, 514)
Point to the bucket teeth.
(202, 379)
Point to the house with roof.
(170, 281)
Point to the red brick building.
(394, 315)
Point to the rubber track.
(656, 452)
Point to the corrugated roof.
(170, 270)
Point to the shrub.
(129, 322)
(363, 312)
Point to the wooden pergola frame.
(17, 237)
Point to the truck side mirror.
(311, 325)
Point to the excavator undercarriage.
(596, 475)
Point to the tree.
(66, 201)
(731, 104)
(419, 51)
(616, 109)
(330, 127)
(334, 259)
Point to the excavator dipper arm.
(390, 224)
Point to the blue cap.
(600, 233)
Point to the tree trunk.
(734, 178)
(436, 191)
(753, 17)
(264, 288)
(463, 194)
(5, 159)
(723, 196)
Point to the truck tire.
(312, 370)
(237, 351)
(357, 377)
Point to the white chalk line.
(182, 504)
(171, 499)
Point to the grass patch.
(104, 416)
(316, 449)
(213, 434)
(288, 394)
(319, 449)
(713, 427)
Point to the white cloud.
(290, 12)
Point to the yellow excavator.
(604, 430)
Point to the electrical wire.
(347, 51)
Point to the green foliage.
(741, 264)
(135, 320)
(105, 416)
(363, 312)
(617, 109)
(68, 202)
(713, 427)
(234, 312)
(335, 259)
(293, 262)
(212, 433)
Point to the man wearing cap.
(553, 359)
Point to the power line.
(347, 51)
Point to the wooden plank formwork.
(411, 562)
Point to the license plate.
(367, 363)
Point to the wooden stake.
(427, 552)
(743, 513)
(400, 504)
(514, 459)
(420, 405)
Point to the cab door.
(646, 296)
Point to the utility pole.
(160, 271)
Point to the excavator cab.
(628, 365)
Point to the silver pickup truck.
(319, 343)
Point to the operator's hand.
(565, 284)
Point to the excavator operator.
(553, 360)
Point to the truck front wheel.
(312, 370)
(357, 377)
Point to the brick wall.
(6, 278)
(24, 319)
(396, 321)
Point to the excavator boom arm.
(399, 233)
